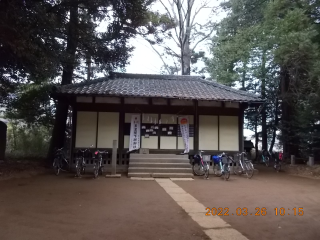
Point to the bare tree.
(185, 35)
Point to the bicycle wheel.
(217, 171)
(237, 169)
(56, 167)
(226, 172)
(96, 170)
(78, 169)
(277, 167)
(101, 170)
(198, 169)
(249, 169)
(266, 161)
(206, 171)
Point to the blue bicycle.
(223, 161)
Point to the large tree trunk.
(289, 139)
(186, 59)
(263, 95)
(275, 127)
(58, 132)
(256, 138)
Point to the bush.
(27, 142)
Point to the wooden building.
(102, 112)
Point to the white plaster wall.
(168, 142)
(86, 129)
(229, 133)
(151, 142)
(108, 129)
(208, 132)
(126, 141)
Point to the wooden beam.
(218, 133)
(196, 127)
(73, 133)
(97, 129)
(241, 115)
(121, 129)
(159, 135)
(159, 109)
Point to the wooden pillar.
(114, 157)
(196, 128)
(121, 130)
(241, 115)
(73, 133)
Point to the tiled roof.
(162, 86)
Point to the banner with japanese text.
(134, 133)
(184, 128)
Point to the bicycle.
(199, 166)
(243, 165)
(265, 156)
(277, 164)
(98, 167)
(224, 163)
(81, 163)
(60, 163)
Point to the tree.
(184, 33)
(58, 37)
(273, 48)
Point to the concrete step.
(158, 160)
(160, 165)
(143, 175)
(158, 170)
(172, 175)
(157, 156)
(161, 175)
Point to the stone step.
(157, 156)
(143, 175)
(160, 165)
(161, 175)
(158, 170)
(172, 175)
(158, 160)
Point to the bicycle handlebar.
(102, 152)
(83, 151)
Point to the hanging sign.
(184, 128)
(134, 133)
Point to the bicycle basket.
(206, 158)
(216, 159)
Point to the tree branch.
(164, 63)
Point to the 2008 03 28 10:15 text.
(257, 212)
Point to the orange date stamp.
(255, 212)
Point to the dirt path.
(50, 207)
(266, 190)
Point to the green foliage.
(256, 44)
(35, 47)
(27, 142)
(31, 103)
